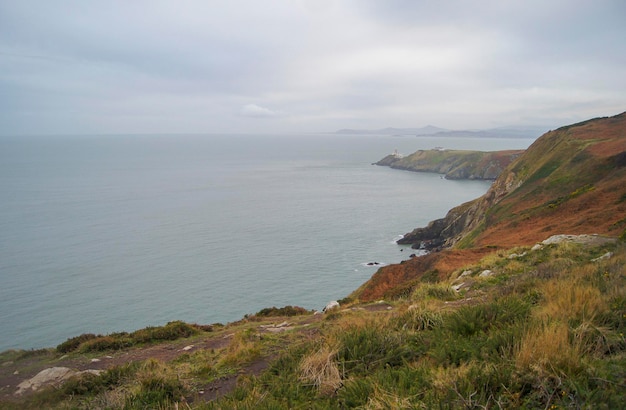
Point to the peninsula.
(455, 164)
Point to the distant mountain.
(427, 130)
(430, 130)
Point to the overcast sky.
(132, 66)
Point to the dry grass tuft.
(242, 349)
(546, 349)
(320, 370)
(569, 300)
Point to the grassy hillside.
(455, 164)
(571, 180)
(545, 329)
(493, 321)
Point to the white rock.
(486, 273)
(607, 255)
(54, 376)
(584, 239)
(187, 348)
(517, 255)
(331, 305)
(558, 239)
(536, 247)
(95, 360)
(458, 287)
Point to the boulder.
(581, 239)
(53, 376)
(330, 305)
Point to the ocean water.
(115, 233)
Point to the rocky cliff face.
(570, 180)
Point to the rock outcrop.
(53, 376)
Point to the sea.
(109, 233)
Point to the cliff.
(571, 180)
(455, 164)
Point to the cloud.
(195, 66)
(256, 111)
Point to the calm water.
(110, 233)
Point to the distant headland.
(455, 164)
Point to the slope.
(570, 180)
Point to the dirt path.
(14, 372)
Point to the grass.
(548, 334)
(320, 369)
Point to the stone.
(517, 255)
(53, 376)
(486, 273)
(330, 305)
(187, 348)
(581, 239)
(607, 255)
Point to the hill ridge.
(578, 170)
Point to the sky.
(289, 66)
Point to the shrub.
(364, 348)
(355, 392)
(103, 343)
(115, 341)
(469, 320)
(284, 311)
(171, 331)
(73, 343)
